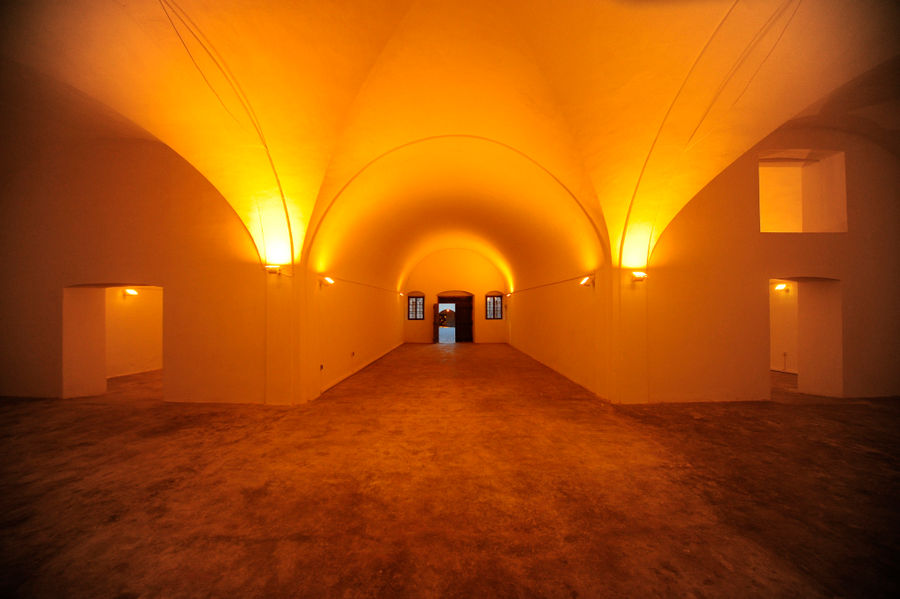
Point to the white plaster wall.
(84, 202)
(820, 338)
(783, 332)
(356, 325)
(781, 197)
(825, 194)
(708, 314)
(83, 342)
(564, 327)
(134, 330)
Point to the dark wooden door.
(436, 324)
(463, 319)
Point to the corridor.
(446, 471)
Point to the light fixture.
(328, 280)
(781, 287)
(273, 269)
(130, 291)
(638, 276)
(587, 281)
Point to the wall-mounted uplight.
(328, 280)
(638, 275)
(586, 281)
(273, 269)
(130, 291)
(782, 287)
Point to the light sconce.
(273, 269)
(328, 280)
(587, 281)
(782, 287)
(128, 292)
(638, 276)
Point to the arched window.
(415, 305)
(493, 305)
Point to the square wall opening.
(802, 191)
(109, 331)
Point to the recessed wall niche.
(802, 191)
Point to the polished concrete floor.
(447, 471)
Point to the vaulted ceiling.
(584, 125)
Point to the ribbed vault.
(633, 106)
(455, 192)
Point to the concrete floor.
(447, 471)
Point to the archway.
(457, 195)
(453, 310)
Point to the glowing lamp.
(781, 287)
(585, 281)
(273, 269)
(328, 280)
(638, 275)
(131, 292)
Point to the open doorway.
(446, 323)
(453, 318)
(783, 334)
(805, 336)
(109, 331)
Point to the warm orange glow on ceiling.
(636, 246)
(630, 108)
(456, 240)
(455, 192)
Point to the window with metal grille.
(416, 308)
(493, 307)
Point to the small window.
(416, 308)
(493, 307)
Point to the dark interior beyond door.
(435, 323)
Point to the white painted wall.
(820, 339)
(780, 197)
(356, 325)
(85, 201)
(562, 326)
(783, 332)
(134, 330)
(825, 194)
(83, 342)
(708, 328)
